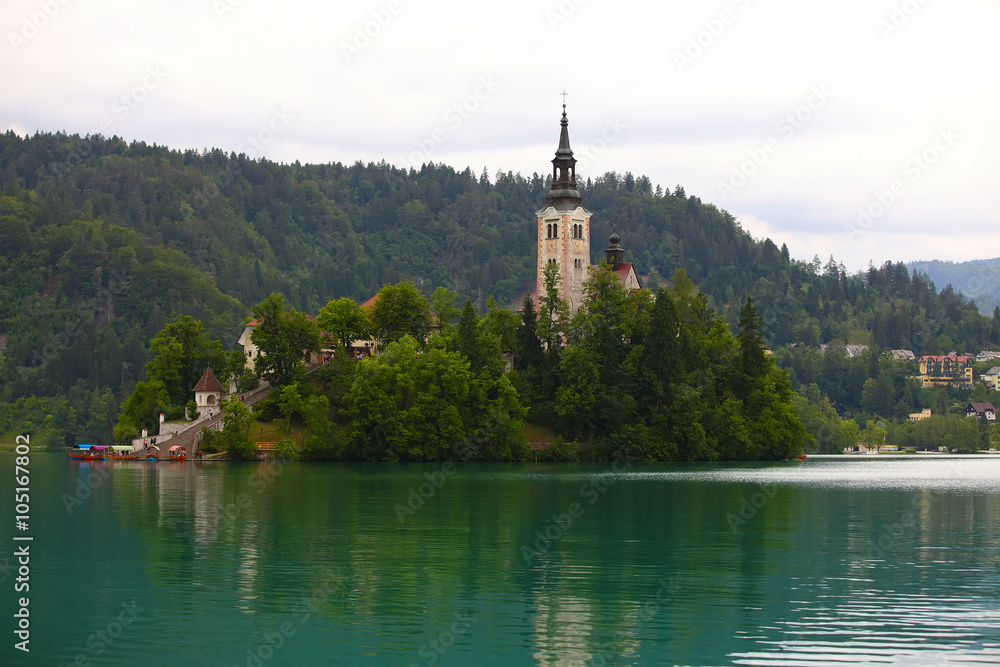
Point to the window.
(552, 229)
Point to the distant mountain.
(978, 280)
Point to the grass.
(262, 431)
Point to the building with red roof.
(950, 370)
(208, 391)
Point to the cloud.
(891, 92)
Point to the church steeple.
(563, 193)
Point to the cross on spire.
(564, 94)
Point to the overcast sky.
(793, 115)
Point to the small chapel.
(564, 232)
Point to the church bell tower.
(564, 227)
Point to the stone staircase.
(191, 436)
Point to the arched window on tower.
(555, 230)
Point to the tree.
(502, 323)
(467, 335)
(183, 350)
(576, 399)
(406, 406)
(400, 310)
(851, 432)
(661, 355)
(553, 313)
(235, 434)
(878, 396)
(528, 346)
(753, 362)
(603, 321)
(873, 436)
(141, 410)
(443, 303)
(283, 338)
(344, 321)
(289, 402)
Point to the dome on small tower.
(615, 253)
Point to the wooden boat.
(123, 453)
(177, 453)
(800, 458)
(151, 453)
(88, 452)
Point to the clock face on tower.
(551, 246)
(577, 246)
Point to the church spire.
(563, 193)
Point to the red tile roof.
(208, 382)
(623, 270)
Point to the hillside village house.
(990, 377)
(987, 355)
(976, 409)
(948, 371)
(920, 416)
(851, 351)
(251, 352)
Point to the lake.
(885, 560)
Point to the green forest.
(104, 243)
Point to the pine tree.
(529, 347)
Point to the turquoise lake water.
(892, 560)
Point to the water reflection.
(870, 562)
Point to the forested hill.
(103, 242)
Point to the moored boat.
(177, 453)
(88, 452)
(122, 453)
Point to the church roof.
(626, 269)
(208, 382)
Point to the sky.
(862, 129)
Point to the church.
(564, 232)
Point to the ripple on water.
(875, 627)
